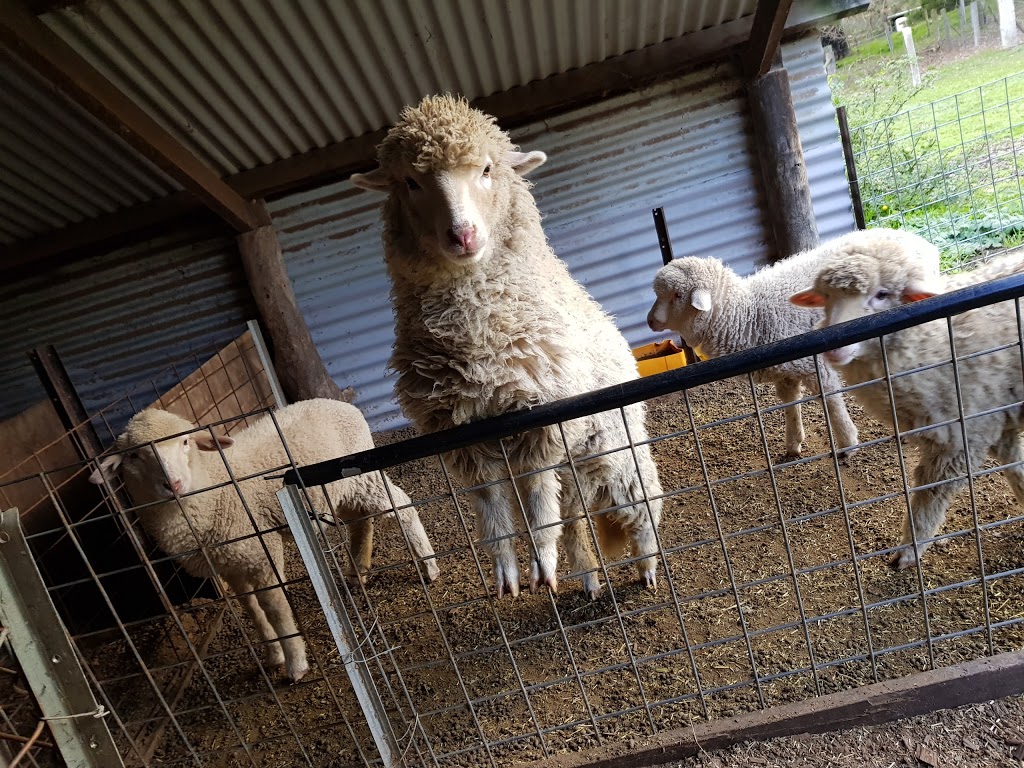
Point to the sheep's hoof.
(505, 584)
(433, 572)
(649, 579)
(298, 671)
(902, 560)
(551, 582)
(592, 585)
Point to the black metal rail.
(627, 393)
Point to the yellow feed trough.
(658, 357)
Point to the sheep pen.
(453, 644)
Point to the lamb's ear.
(374, 181)
(107, 465)
(206, 442)
(916, 291)
(808, 298)
(524, 162)
(701, 299)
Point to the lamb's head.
(687, 290)
(854, 282)
(448, 170)
(154, 455)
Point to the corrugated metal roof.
(57, 164)
(120, 319)
(684, 145)
(245, 84)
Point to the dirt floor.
(989, 735)
(481, 671)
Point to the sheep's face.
(684, 300)
(451, 213)
(842, 303)
(155, 469)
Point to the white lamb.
(166, 464)
(855, 282)
(717, 312)
(488, 320)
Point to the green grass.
(944, 159)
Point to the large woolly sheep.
(717, 312)
(166, 465)
(858, 282)
(488, 320)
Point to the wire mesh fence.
(950, 170)
(773, 582)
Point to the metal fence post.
(47, 659)
(351, 652)
(268, 366)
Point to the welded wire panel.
(774, 578)
(949, 170)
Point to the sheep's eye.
(487, 171)
(410, 182)
(679, 295)
(882, 294)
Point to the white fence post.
(975, 25)
(1007, 23)
(908, 40)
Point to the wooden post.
(888, 36)
(963, 21)
(975, 25)
(783, 171)
(298, 364)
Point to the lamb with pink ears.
(166, 464)
(855, 282)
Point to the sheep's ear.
(107, 465)
(808, 298)
(374, 181)
(916, 291)
(208, 442)
(524, 162)
(701, 299)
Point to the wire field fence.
(773, 584)
(949, 170)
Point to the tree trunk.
(298, 364)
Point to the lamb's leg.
(576, 535)
(788, 391)
(495, 527)
(274, 653)
(409, 520)
(842, 425)
(274, 603)
(540, 495)
(360, 533)
(930, 504)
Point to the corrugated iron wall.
(683, 144)
(120, 319)
(41, 141)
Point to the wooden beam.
(60, 64)
(970, 683)
(787, 193)
(765, 36)
(299, 367)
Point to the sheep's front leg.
(495, 528)
(274, 603)
(274, 653)
(360, 532)
(930, 504)
(842, 425)
(787, 392)
(540, 494)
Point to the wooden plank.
(765, 36)
(969, 683)
(60, 64)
